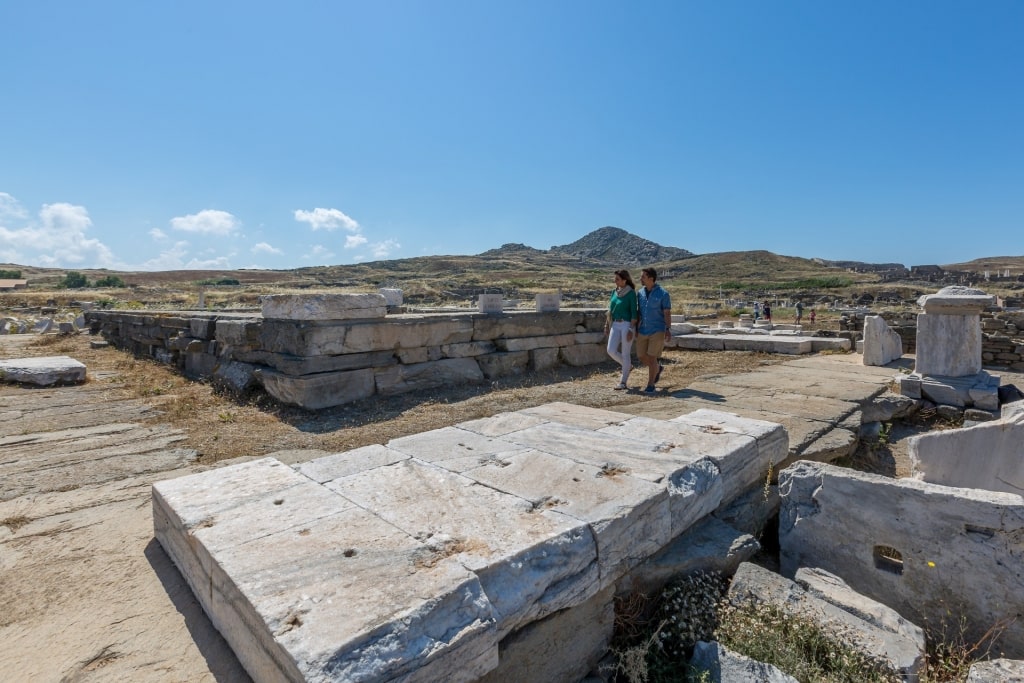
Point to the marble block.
(43, 372)
(881, 344)
(323, 306)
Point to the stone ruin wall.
(933, 553)
(1002, 338)
(318, 364)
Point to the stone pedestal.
(548, 302)
(949, 332)
(489, 304)
(948, 368)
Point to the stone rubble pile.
(65, 323)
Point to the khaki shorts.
(650, 344)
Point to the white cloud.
(11, 208)
(383, 249)
(353, 241)
(327, 219)
(158, 234)
(207, 222)
(169, 259)
(177, 258)
(264, 248)
(58, 238)
(319, 251)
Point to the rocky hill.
(615, 246)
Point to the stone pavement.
(818, 399)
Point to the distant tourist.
(767, 309)
(812, 316)
(621, 324)
(757, 310)
(799, 311)
(655, 325)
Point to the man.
(799, 311)
(655, 327)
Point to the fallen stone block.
(888, 407)
(833, 590)
(881, 344)
(903, 649)
(235, 377)
(44, 372)
(683, 328)
(997, 671)
(973, 416)
(910, 385)
(724, 666)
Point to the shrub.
(74, 280)
(109, 281)
(228, 281)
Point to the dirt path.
(86, 593)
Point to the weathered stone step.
(417, 558)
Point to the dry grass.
(219, 427)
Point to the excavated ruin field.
(86, 593)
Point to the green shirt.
(623, 308)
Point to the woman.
(620, 325)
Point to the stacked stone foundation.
(317, 364)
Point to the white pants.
(619, 347)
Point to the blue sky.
(215, 134)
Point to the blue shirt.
(652, 305)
